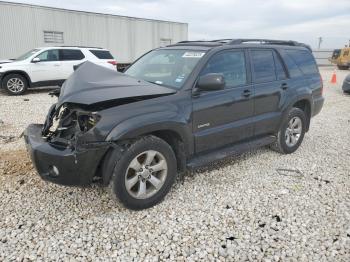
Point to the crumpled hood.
(92, 83)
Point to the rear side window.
(102, 54)
(304, 60)
(263, 66)
(71, 54)
(280, 72)
(231, 64)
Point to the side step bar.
(236, 149)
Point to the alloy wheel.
(293, 131)
(146, 174)
(15, 85)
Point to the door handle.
(246, 93)
(56, 64)
(284, 86)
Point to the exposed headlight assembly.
(68, 122)
(88, 121)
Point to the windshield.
(166, 67)
(28, 54)
(336, 53)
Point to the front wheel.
(144, 173)
(291, 132)
(15, 84)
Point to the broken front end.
(66, 149)
(69, 147)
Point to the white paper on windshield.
(193, 54)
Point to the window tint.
(293, 69)
(102, 54)
(280, 72)
(71, 54)
(263, 66)
(231, 65)
(49, 55)
(304, 61)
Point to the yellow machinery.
(341, 57)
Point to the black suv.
(176, 107)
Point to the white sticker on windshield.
(193, 54)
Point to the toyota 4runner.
(176, 107)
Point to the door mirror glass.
(211, 82)
(36, 60)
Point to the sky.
(300, 20)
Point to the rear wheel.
(144, 173)
(291, 132)
(15, 84)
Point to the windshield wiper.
(155, 82)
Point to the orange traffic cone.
(334, 78)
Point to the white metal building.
(322, 56)
(24, 27)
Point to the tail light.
(113, 62)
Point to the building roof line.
(91, 13)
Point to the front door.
(222, 117)
(49, 67)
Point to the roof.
(222, 42)
(88, 12)
(70, 47)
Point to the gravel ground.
(243, 208)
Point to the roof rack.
(242, 41)
(81, 46)
(268, 41)
(223, 41)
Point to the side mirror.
(211, 82)
(36, 60)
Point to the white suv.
(48, 66)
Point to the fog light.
(53, 171)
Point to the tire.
(343, 67)
(15, 84)
(141, 192)
(284, 146)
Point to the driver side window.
(231, 64)
(49, 55)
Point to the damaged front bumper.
(61, 164)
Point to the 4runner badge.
(203, 125)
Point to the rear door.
(222, 117)
(69, 58)
(270, 87)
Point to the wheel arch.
(304, 105)
(19, 72)
(173, 134)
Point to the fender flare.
(160, 121)
(307, 97)
(21, 72)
